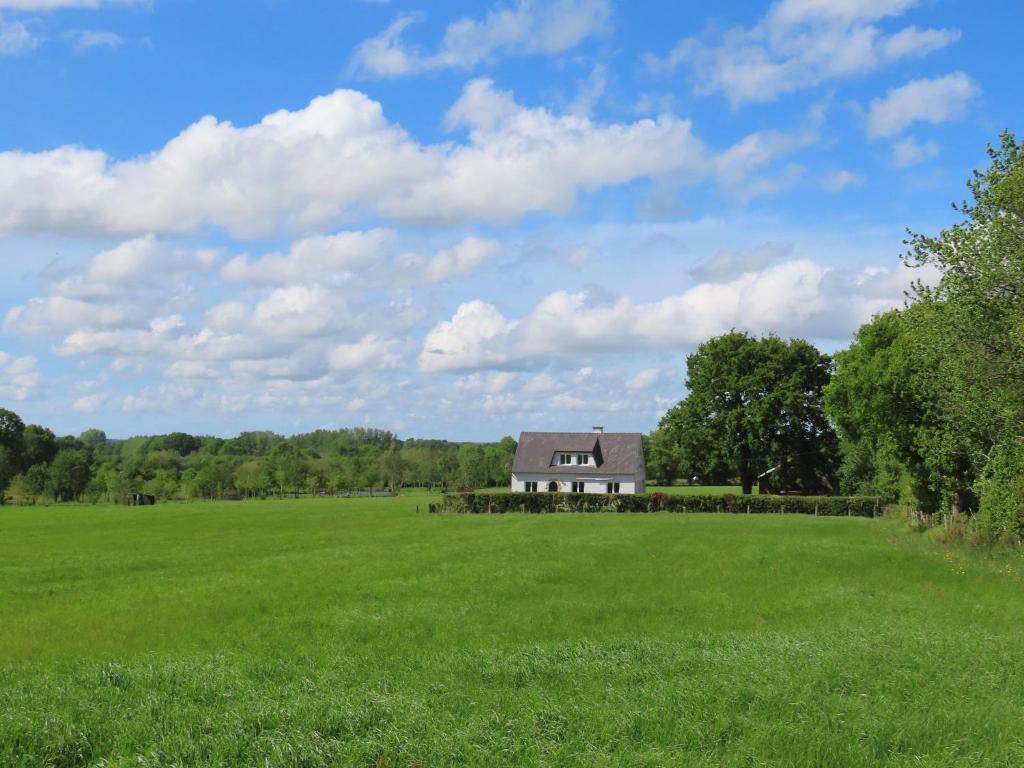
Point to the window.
(613, 487)
(563, 458)
(531, 486)
(578, 486)
(583, 459)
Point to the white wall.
(596, 484)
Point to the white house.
(579, 462)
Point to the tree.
(393, 469)
(93, 437)
(12, 447)
(968, 337)
(755, 404)
(472, 465)
(663, 453)
(69, 474)
(40, 446)
(35, 481)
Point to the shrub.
(825, 506)
(1001, 492)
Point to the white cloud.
(88, 39)
(644, 379)
(727, 264)
(370, 352)
(909, 151)
(44, 315)
(339, 158)
(931, 100)
(799, 297)
(529, 27)
(191, 369)
(19, 377)
(145, 263)
(88, 403)
(15, 37)
(837, 181)
(460, 260)
(467, 340)
(360, 261)
(322, 258)
(800, 44)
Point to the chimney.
(598, 430)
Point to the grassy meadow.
(358, 632)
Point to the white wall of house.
(596, 484)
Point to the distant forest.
(35, 464)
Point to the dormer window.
(572, 459)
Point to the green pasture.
(358, 632)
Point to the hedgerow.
(536, 503)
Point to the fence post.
(815, 509)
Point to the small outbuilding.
(579, 462)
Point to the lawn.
(338, 632)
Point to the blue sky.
(460, 219)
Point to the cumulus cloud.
(340, 158)
(370, 352)
(135, 287)
(360, 261)
(526, 28)
(799, 297)
(930, 100)
(799, 44)
(19, 377)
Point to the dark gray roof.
(617, 453)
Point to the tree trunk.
(746, 473)
(959, 505)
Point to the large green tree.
(12, 447)
(970, 331)
(937, 389)
(754, 405)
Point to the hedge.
(484, 503)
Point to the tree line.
(926, 406)
(36, 465)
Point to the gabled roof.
(616, 453)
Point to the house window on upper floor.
(583, 459)
(578, 486)
(613, 487)
(564, 458)
(531, 486)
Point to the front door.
(553, 487)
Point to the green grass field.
(338, 632)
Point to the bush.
(1001, 493)
(537, 503)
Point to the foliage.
(255, 464)
(1001, 489)
(753, 405)
(489, 503)
(929, 400)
